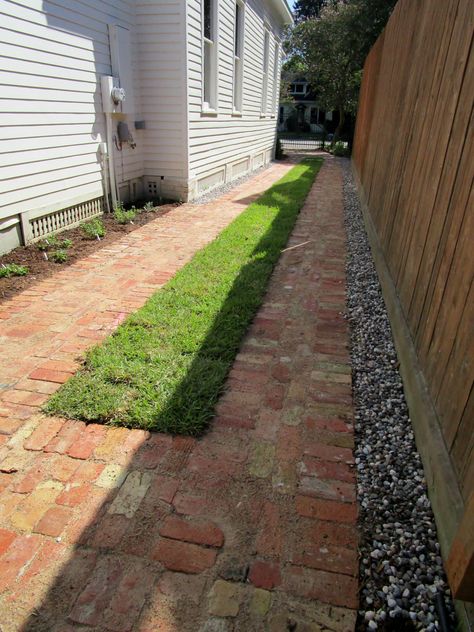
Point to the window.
(276, 70)
(238, 55)
(298, 88)
(266, 46)
(209, 55)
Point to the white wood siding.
(217, 141)
(161, 35)
(51, 123)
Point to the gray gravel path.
(401, 567)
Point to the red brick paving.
(247, 529)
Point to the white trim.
(210, 74)
(265, 68)
(238, 67)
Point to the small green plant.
(94, 229)
(49, 242)
(58, 256)
(340, 149)
(124, 217)
(12, 269)
(53, 241)
(149, 206)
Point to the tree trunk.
(340, 125)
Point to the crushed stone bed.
(401, 568)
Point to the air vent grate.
(66, 218)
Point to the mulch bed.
(39, 268)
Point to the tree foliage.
(332, 45)
(307, 9)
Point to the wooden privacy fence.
(413, 157)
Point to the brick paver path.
(250, 528)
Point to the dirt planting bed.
(39, 267)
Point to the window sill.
(237, 113)
(208, 112)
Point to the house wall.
(51, 120)
(161, 34)
(224, 146)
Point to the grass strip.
(165, 366)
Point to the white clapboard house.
(107, 100)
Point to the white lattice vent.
(66, 218)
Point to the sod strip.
(165, 366)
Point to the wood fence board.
(451, 231)
(414, 161)
(450, 171)
(440, 112)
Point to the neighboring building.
(201, 81)
(303, 113)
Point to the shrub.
(124, 217)
(94, 229)
(339, 149)
(58, 256)
(66, 243)
(149, 206)
(12, 269)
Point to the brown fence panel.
(414, 160)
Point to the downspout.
(111, 165)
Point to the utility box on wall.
(121, 57)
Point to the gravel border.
(401, 569)
(228, 186)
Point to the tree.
(332, 47)
(326, 48)
(307, 9)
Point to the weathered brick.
(225, 599)
(260, 602)
(261, 459)
(329, 452)
(265, 575)
(88, 440)
(205, 533)
(54, 521)
(333, 588)
(6, 538)
(69, 433)
(184, 557)
(19, 553)
(33, 508)
(328, 469)
(49, 375)
(327, 489)
(110, 531)
(326, 509)
(269, 539)
(129, 597)
(97, 594)
(74, 496)
(131, 494)
(44, 433)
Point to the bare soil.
(40, 268)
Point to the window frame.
(239, 40)
(265, 69)
(276, 69)
(210, 59)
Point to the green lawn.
(165, 366)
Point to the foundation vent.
(66, 218)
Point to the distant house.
(303, 113)
(129, 99)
